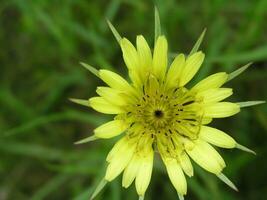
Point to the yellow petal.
(112, 95)
(206, 156)
(121, 144)
(221, 109)
(131, 60)
(145, 56)
(216, 137)
(144, 173)
(130, 171)
(186, 164)
(214, 95)
(119, 161)
(192, 66)
(114, 80)
(176, 176)
(111, 129)
(160, 58)
(103, 106)
(212, 81)
(206, 120)
(174, 73)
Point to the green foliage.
(42, 43)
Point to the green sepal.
(198, 43)
(114, 31)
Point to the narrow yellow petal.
(176, 176)
(160, 58)
(192, 66)
(121, 144)
(144, 173)
(214, 95)
(206, 120)
(174, 73)
(221, 109)
(130, 171)
(216, 137)
(111, 129)
(112, 95)
(131, 60)
(103, 106)
(186, 164)
(145, 56)
(206, 156)
(212, 81)
(114, 80)
(119, 161)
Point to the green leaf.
(83, 102)
(114, 31)
(249, 103)
(98, 189)
(157, 25)
(198, 43)
(243, 148)
(238, 72)
(227, 181)
(88, 139)
(91, 69)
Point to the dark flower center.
(158, 113)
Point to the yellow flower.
(157, 112)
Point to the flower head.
(157, 112)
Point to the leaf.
(157, 25)
(238, 72)
(88, 139)
(198, 43)
(249, 103)
(227, 181)
(98, 189)
(114, 31)
(91, 69)
(243, 148)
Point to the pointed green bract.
(181, 197)
(88, 139)
(114, 31)
(98, 189)
(141, 198)
(91, 69)
(249, 103)
(198, 43)
(243, 148)
(157, 25)
(83, 102)
(227, 181)
(238, 72)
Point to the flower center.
(168, 116)
(158, 113)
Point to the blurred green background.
(42, 43)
